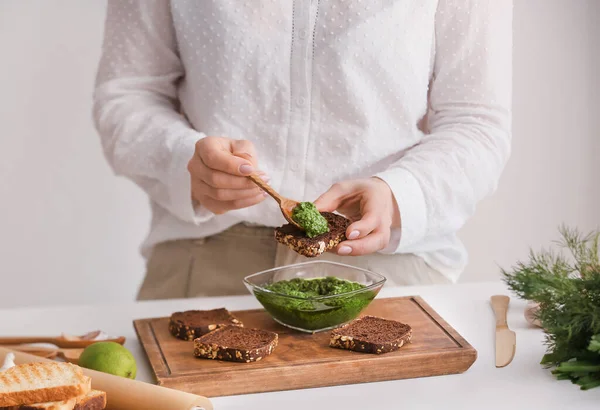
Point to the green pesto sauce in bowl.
(303, 312)
(308, 216)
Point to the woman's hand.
(370, 204)
(218, 171)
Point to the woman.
(394, 113)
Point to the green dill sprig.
(567, 288)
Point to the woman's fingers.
(220, 207)
(373, 242)
(222, 180)
(368, 235)
(221, 194)
(331, 200)
(217, 154)
(245, 149)
(218, 172)
(365, 225)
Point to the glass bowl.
(317, 313)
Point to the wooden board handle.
(500, 307)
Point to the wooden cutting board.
(305, 360)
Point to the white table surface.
(524, 384)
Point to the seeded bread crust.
(342, 340)
(206, 349)
(183, 328)
(297, 240)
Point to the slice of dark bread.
(94, 400)
(297, 240)
(191, 324)
(236, 344)
(371, 334)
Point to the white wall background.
(70, 230)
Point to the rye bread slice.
(191, 324)
(236, 344)
(94, 400)
(371, 334)
(297, 240)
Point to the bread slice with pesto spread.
(297, 240)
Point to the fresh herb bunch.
(567, 288)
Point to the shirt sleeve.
(143, 135)
(438, 182)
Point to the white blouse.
(327, 90)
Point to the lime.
(109, 357)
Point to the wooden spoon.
(286, 205)
(64, 341)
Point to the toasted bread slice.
(33, 383)
(52, 405)
(94, 400)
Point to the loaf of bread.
(192, 324)
(297, 240)
(236, 344)
(371, 334)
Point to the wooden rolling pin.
(127, 394)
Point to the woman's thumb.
(330, 200)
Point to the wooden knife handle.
(35, 350)
(57, 341)
(26, 339)
(500, 307)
